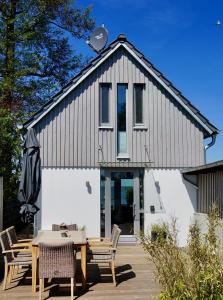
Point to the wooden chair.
(101, 252)
(12, 262)
(57, 261)
(13, 239)
(15, 243)
(70, 227)
(102, 240)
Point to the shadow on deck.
(134, 277)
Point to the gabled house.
(113, 144)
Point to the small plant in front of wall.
(159, 232)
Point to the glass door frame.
(136, 200)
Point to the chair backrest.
(56, 260)
(71, 227)
(113, 231)
(5, 245)
(116, 235)
(12, 235)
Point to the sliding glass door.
(120, 201)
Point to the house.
(113, 144)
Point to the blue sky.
(181, 39)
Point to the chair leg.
(75, 286)
(5, 277)
(10, 274)
(72, 288)
(113, 272)
(15, 270)
(40, 288)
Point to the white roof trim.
(144, 65)
(74, 85)
(167, 88)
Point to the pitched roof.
(209, 128)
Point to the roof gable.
(121, 41)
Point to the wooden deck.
(134, 277)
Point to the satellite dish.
(98, 39)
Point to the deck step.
(128, 240)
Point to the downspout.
(213, 140)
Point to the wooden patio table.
(47, 236)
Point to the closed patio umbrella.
(30, 179)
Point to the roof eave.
(217, 165)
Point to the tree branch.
(59, 26)
(40, 75)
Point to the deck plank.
(134, 277)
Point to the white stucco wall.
(172, 196)
(71, 195)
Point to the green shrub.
(159, 232)
(194, 273)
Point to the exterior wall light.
(88, 185)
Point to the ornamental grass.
(195, 272)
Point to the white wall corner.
(172, 196)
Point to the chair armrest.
(103, 248)
(100, 244)
(21, 245)
(15, 250)
(98, 239)
(25, 240)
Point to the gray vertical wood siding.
(210, 189)
(70, 136)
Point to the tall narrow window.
(121, 118)
(138, 103)
(104, 103)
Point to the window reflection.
(121, 118)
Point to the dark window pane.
(104, 103)
(141, 189)
(142, 222)
(138, 103)
(122, 107)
